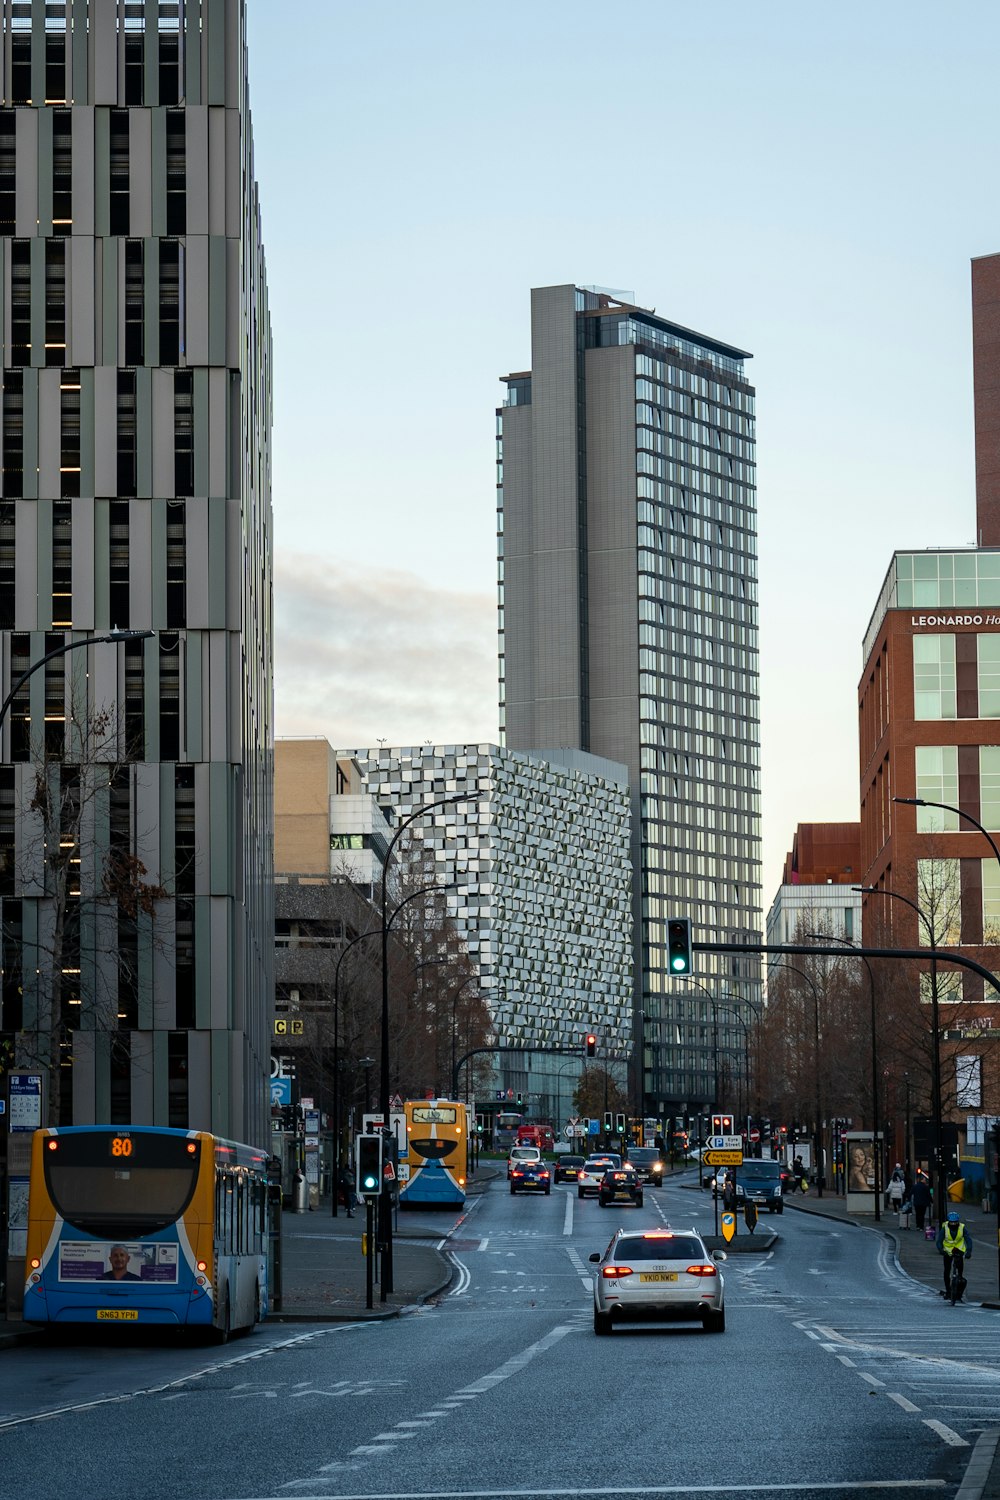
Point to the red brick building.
(929, 726)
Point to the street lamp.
(824, 937)
(874, 890)
(385, 1215)
(108, 637)
(367, 1063)
(782, 963)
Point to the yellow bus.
(140, 1225)
(434, 1166)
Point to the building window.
(934, 679)
(177, 1079)
(134, 308)
(170, 67)
(8, 173)
(118, 564)
(176, 173)
(184, 832)
(13, 435)
(134, 48)
(69, 435)
(62, 566)
(184, 432)
(55, 302)
(989, 676)
(20, 65)
(170, 696)
(939, 897)
(126, 434)
(119, 196)
(176, 564)
(170, 302)
(20, 302)
(937, 780)
(62, 172)
(135, 700)
(55, 67)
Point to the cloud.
(362, 655)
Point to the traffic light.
(519, 1100)
(620, 1124)
(679, 945)
(607, 1122)
(369, 1174)
(722, 1124)
(591, 1044)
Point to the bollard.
(300, 1192)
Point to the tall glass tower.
(627, 566)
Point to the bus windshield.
(117, 1185)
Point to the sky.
(809, 183)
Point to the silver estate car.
(659, 1273)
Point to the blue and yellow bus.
(435, 1164)
(140, 1225)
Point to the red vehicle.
(536, 1135)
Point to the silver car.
(661, 1273)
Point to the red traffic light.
(591, 1044)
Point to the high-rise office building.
(135, 776)
(628, 628)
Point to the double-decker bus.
(506, 1123)
(140, 1225)
(434, 1167)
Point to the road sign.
(728, 1226)
(725, 1142)
(755, 1134)
(723, 1158)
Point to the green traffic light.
(679, 964)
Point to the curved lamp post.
(824, 937)
(874, 890)
(385, 1215)
(108, 637)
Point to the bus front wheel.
(222, 1333)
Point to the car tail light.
(614, 1271)
(543, 1174)
(702, 1269)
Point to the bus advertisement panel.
(134, 1224)
(437, 1152)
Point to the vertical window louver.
(176, 564)
(184, 432)
(170, 302)
(135, 700)
(170, 696)
(7, 565)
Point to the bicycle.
(956, 1281)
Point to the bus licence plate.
(117, 1314)
(658, 1276)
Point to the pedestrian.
(347, 1188)
(921, 1197)
(895, 1191)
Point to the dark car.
(760, 1181)
(567, 1168)
(530, 1176)
(620, 1185)
(648, 1162)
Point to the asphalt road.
(837, 1376)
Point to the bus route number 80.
(121, 1146)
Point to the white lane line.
(868, 1377)
(847, 1486)
(950, 1437)
(484, 1243)
(568, 1215)
(902, 1401)
(517, 1363)
(848, 1362)
(464, 1276)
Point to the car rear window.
(680, 1247)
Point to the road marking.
(848, 1362)
(484, 1243)
(567, 1492)
(950, 1436)
(568, 1215)
(868, 1378)
(902, 1401)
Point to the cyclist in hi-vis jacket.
(954, 1242)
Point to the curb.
(977, 1483)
